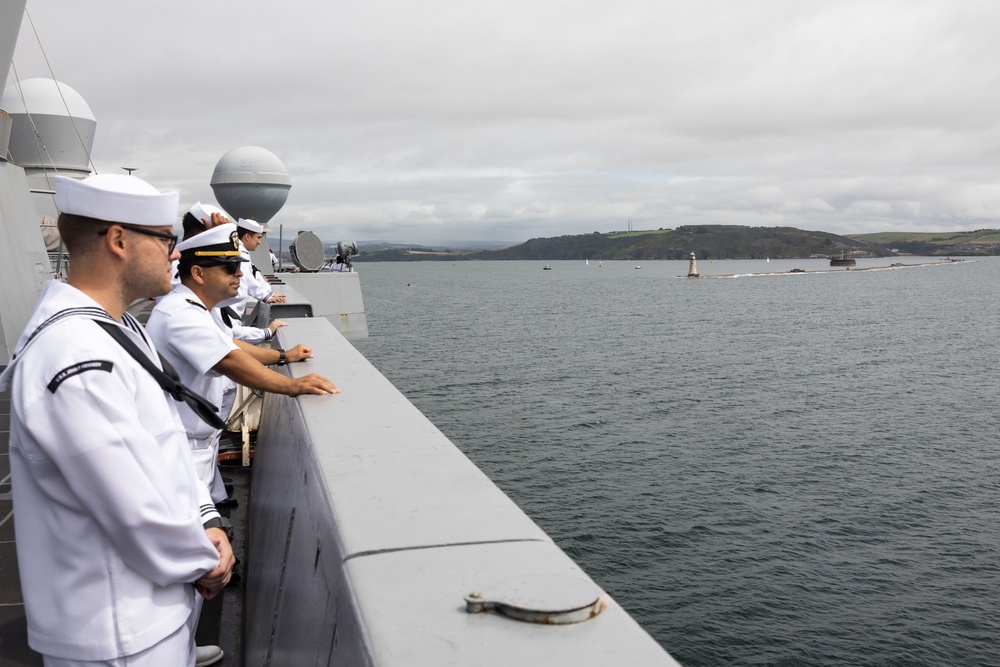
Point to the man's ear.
(198, 274)
(115, 240)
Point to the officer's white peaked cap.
(250, 225)
(117, 198)
(218, 244)
(203, 212)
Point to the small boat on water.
(546, 268)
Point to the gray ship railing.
(371, 536)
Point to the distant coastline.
(712, 242)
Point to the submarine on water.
(379, 544)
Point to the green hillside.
(705, 241)
(978, 242)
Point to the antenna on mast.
(135, 159)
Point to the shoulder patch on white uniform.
(76, 369)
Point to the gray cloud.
(420, 122)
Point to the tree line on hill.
(705, 241)
(713, 242)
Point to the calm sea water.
(764, 470)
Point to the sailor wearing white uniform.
(114, 531)
(197, 219)
(189, 339)
(184, 331)
(229, 321)
(253, 284)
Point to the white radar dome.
(251, 182)
(62, 118)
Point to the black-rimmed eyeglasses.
(148, 232)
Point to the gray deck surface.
(221, 619)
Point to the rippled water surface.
(764, 470)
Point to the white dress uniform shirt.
(107, 504)
(189, 339)
(252, 284)
(235, 329)
(229, 390)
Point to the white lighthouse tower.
(692, 267)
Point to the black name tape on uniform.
(76, 369)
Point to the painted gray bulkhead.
(369, 528)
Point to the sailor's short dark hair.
(192, 226)
(79, 233)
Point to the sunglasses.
(231, 267)
(170, 238)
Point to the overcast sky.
(460, 120)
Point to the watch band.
(213, 523)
